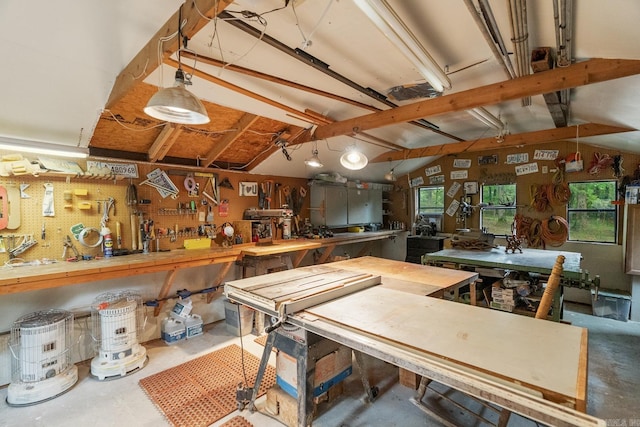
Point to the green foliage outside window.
(431, 200)
(591, 216)
(497, 215)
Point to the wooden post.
(552, 286)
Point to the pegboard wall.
(81, 201)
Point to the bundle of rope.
(555, 230)
(556, 193)
(528, 229)
(552, 231)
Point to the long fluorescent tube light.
(387, 21)
(487, 118)
(36, 147)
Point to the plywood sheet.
(539, 354)
(416, 278)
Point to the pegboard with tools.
(47, 210)
(136, 213)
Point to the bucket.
(173, 330)
(193, 325)
(231, 310)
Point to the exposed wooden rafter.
(243, 91)
(162, 144)
(241, 126)
(580, 74)
(146, 60)
(521, 139)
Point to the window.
(590, 214)
(431, 205)
(500, 200)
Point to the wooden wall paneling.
(502, 172)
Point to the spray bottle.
(107, 242)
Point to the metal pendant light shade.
(314, 160)
(390, 176)
(353, 160)
(177, 105)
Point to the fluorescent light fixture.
(487, 118)
(46, 148)
(387, 21)
(314, 161)
(353, 159)
(177, 105)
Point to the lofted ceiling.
(280, 78)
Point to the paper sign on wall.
(454, 189)
(248, 189)
(527, 169)
(545, 154)
(462, 163)
(438, 179)
(463, 174)
(517, 158)
(453, 207)
(432, 170)
(417, 181)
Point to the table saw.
(532, 367)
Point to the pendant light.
(353, 159)
(314, 160)
(390, 176)
(176, 104)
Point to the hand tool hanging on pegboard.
(132, 201)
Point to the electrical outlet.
(545, 169)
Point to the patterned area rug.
(203, 390)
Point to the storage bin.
(611, 303)
(231, 310)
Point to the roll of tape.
(189, 183)
(85, 232)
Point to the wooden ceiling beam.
(146, 61)
(517, 140)
(579, 74)
(302, 135)
(154, 153)
(243, 91)
(241, 126)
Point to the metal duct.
(563, 18)
(491, 34)
(520, 39)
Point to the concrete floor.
(613, 380)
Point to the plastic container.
(173, 330)
(611, 303)
(182, 309)
(193, 325)
(231, 310)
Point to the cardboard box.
(503, 293)
(330, 370)
(501, 306)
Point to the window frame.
(496, 208)
(613, 208)
(439, 215)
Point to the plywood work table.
(529, 366)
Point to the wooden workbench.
(45, 276)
